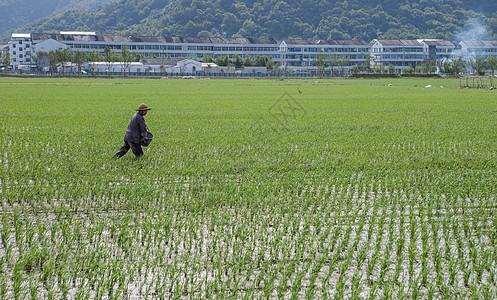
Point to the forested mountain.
(15, 13)
(317, 19)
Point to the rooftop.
(409, 43)
(148, 39)
(160, 61)
(21, 35)
(475, 43)
(438, 43)
(79, 32)
(326, 42)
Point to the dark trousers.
(136, 148)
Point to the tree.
(207, 59)
(230, 24)
(35, 58)
(264, 61)
(409, 70)
(276, 65)
(458, 66)
(109, 58)
(342, 61)
(451, 67)
(391, 69)
(79, 58)
(126, 57)
(5, 59)
(321, 62)
(478, 65)
(223, 61)
(332, 63)
(65, 56)
(370, 60)
(247, 61)
(93, 58)
(270, 63)
(492, 63)
(444, 66)
(418, 69)
(238, 62)
(204, 33)
(429, 66)
(53, 60)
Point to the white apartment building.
(475, 48)
(158, 46)
(438, 49)
(401, 54)
(20, 50)
(294, 54)
(303, 54)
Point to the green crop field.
(281, 189)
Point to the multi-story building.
(438, 49)
(305, 54)
(475, 48)
(401, 54)
(296, 54)
(158, 46)
(20, 50)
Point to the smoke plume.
(473, 30)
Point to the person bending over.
(136, 129)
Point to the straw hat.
(143, 106)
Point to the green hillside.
(16, 13)
(319, 19)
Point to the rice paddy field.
(251, 189)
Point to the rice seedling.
(359, 191)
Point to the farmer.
(136, 129)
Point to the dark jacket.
(135, 128)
